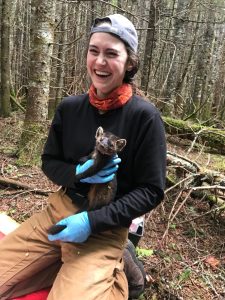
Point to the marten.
(106, 146)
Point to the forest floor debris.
(187, 257)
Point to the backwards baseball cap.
(119, 26)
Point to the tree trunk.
(5, 107)
(200, 94)
(34, 131)
(219, 88)
(176, 52)
(12, 44)
(179, 103)
(183, 77)
(61, 55)
(149, 44)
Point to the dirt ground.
(188, 257)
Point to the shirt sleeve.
(53, 163)
(149, 180)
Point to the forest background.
(182, 71)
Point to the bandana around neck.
(115, 99)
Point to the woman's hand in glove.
(105, 175)
(77, 229)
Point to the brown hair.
(134, 61)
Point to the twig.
(178, 183)
(177, 211)
(208, 187)
(211, 285)
(2, 169)
(202, 215)
(195, 139)
(22, 193)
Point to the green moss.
(170, 179)
(212, 137)
(8, 150)
(218, 163)
(31, 144)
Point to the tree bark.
(219, 88)
(34, 131)
(179, 103)
(201, 86)
(149, 45)
(5, 107)
(61, 55)
(177, 36)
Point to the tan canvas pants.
(89, 271)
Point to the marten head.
(107, 143)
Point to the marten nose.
(104, 141)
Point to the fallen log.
(17, 184)
(203, 192)
(209, 136)
(177, 160)
(187, 175)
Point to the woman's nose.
(101, 59)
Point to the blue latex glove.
(105, 175)
(77, 229)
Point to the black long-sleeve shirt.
(141, 173)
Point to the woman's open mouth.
(102, 74)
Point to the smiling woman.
(93, 241)
(107, 62)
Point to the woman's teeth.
(100, 73)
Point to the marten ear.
(99, 132)
(120, 144)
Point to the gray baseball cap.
(119, 26)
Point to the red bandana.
(115, 99)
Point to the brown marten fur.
(106, 146)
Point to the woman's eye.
(93, 51)
(111, 54)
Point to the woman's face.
(106, 62)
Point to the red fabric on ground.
(39, 295)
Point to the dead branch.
(175, 159)
(172, 216)
(208, 187)
(192, 163)
(18, 184)
(213, 210)
(178, 183)
(189, 176)
(17, 103)
(213, 199)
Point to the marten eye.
(110, 144)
